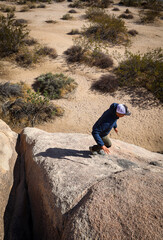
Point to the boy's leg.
(107, 141)
(97, 148)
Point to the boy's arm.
(96, 133)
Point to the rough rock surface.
(8, 157)
(75, 195)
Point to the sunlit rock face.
(8, 157)
(75, 195)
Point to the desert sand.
(83, 107)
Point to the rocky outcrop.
(74, 195)
(8, 157)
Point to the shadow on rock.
(64, 153)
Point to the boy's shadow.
(64, 154)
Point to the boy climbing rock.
(103, 126)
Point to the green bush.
(143, 70)
(7, 9)
(54, 86)
(11, 36)
(107, 28)
(22, 107)
(67, 16)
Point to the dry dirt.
(83, 107)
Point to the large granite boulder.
(75, 195)
(8, 157)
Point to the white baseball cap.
(122, 109)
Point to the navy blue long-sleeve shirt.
(105, 123)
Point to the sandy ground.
(83, 107)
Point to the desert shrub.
(101, 60)
(29, 111)
(24, 9)
(67, 16)
(26, 57)
(30, 41)
(90, 3)
(31, 5)
(130, 3)
(75, 54)
(8, 90)
(94, 12)
(41, 5)
(149, 16)
(11, 36)
(76, 4)
(47, 51)
(88, 56)
(126, 16)
(51, 21)
(143, 70)
(150, 4)
(107, 28)
(74, 32)
(115, 9)
(19, 22)
(54, 86)
(107, 83)
(21, 2)
(127, 11)
(72, 11)
(133, 32)
(7, 9)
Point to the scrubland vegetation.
(105, 27)
(20, 106)
(15, 42)
(143, 70)
(92, 3)
(54, 85)
(137, 70)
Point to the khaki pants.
(106, 141)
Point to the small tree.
(11, 35)
(143, 70)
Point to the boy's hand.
(116, 130)
(106, 150)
